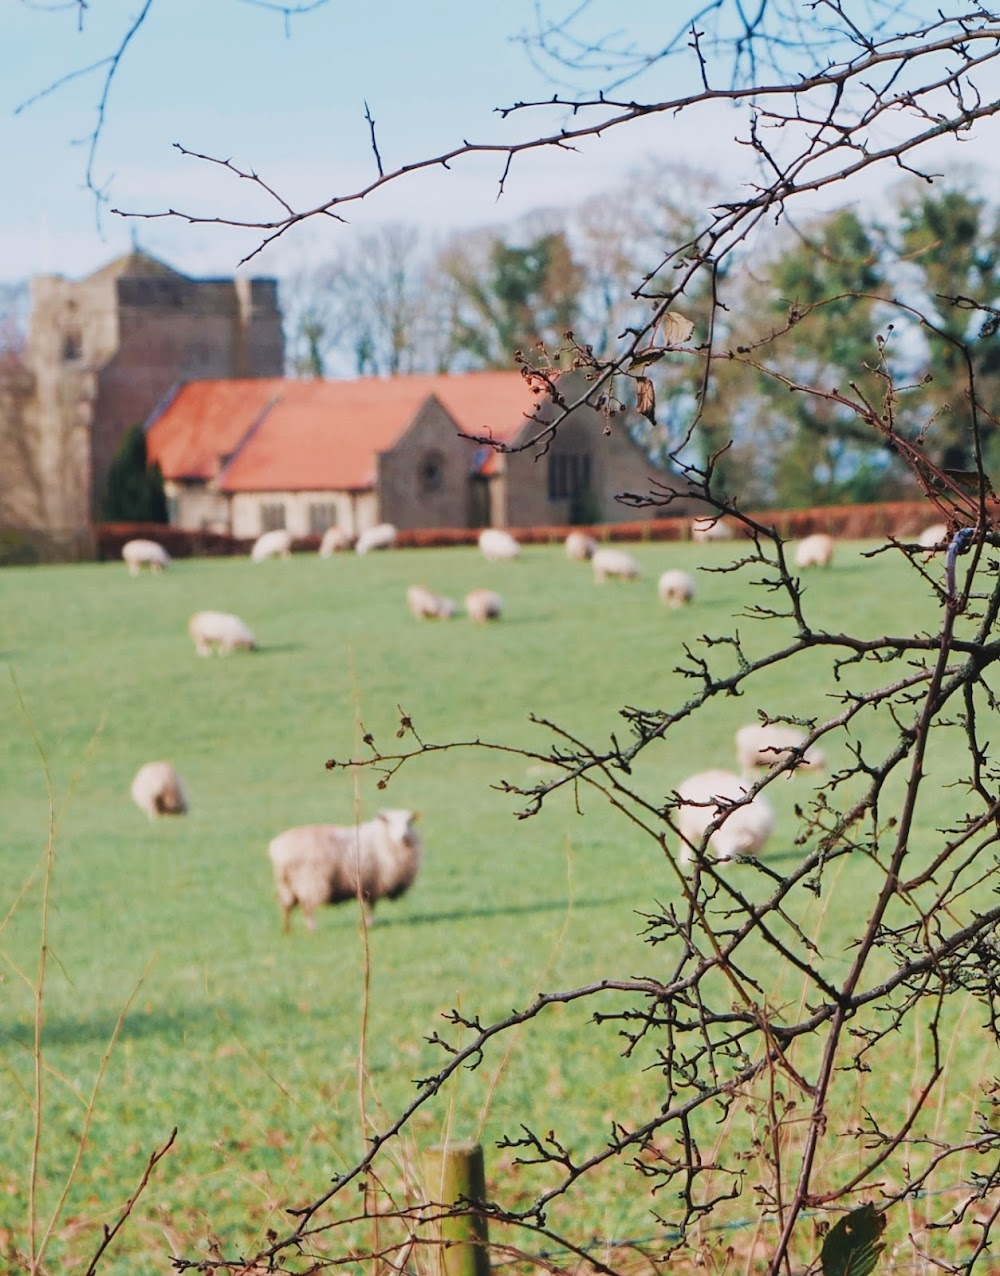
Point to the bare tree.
(368, 310)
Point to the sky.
(233, 79)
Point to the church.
(246, 457)
(242, 449)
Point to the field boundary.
(902, 519)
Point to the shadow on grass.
(508, 910)
(199, 1023)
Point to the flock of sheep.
(327, 864)
(312, 864)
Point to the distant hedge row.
(851, 522)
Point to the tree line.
(808, 304)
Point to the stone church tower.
(102, 352)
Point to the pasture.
(248, 1040)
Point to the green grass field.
(248, 1040)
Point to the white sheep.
(381, 536)
(763, 744)
(498, 546)
(614, 563)
(676, 588)
(934, 537)
(425, 604)
(157, 790)
(482, 605)
(141, 553)
(710, 528)
(276, 544)
(220, 630)
(319, 864)
(705, 798)
(814, 551)
(580, 546)
(334, 540)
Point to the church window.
(272, 516)
(322, 514)
(72, 345)
(569, 474)
(431, 472)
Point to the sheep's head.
(400, 825)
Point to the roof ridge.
(252, 429)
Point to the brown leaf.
(969, 481)
(676, 328)
(644, 357)
(645, 398)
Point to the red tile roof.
(318, 435)
(204, 423)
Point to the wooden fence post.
(455, 1172)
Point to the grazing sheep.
(157, 790)
(140, 553)
(763, 744)
(616, 563)
(482, 605)
(580, 546)
(327, 864)
(425, 604)
(676, 588)
(710, 528)
(934, 537)
(276, 544)
(814, 551)
(220, 630)
(381, 536)
(334, 540)
(498, 546)
(704, 798)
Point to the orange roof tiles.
(204, 423)
(275, 435)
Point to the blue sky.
(220, 76)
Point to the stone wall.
(577, 476)
(424, 480)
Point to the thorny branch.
(709, 1026)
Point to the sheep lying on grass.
(498, 546)
(761, 745)
(140, 553)
(221, 631)
(676, 588)
(425, 604)
(580, 546)
(381, 536)
(814, 551)
(334, 540)
(615, 564)
(157, 790)
(704, 799)
(276, 544)
(482, 605)
(327, 864)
